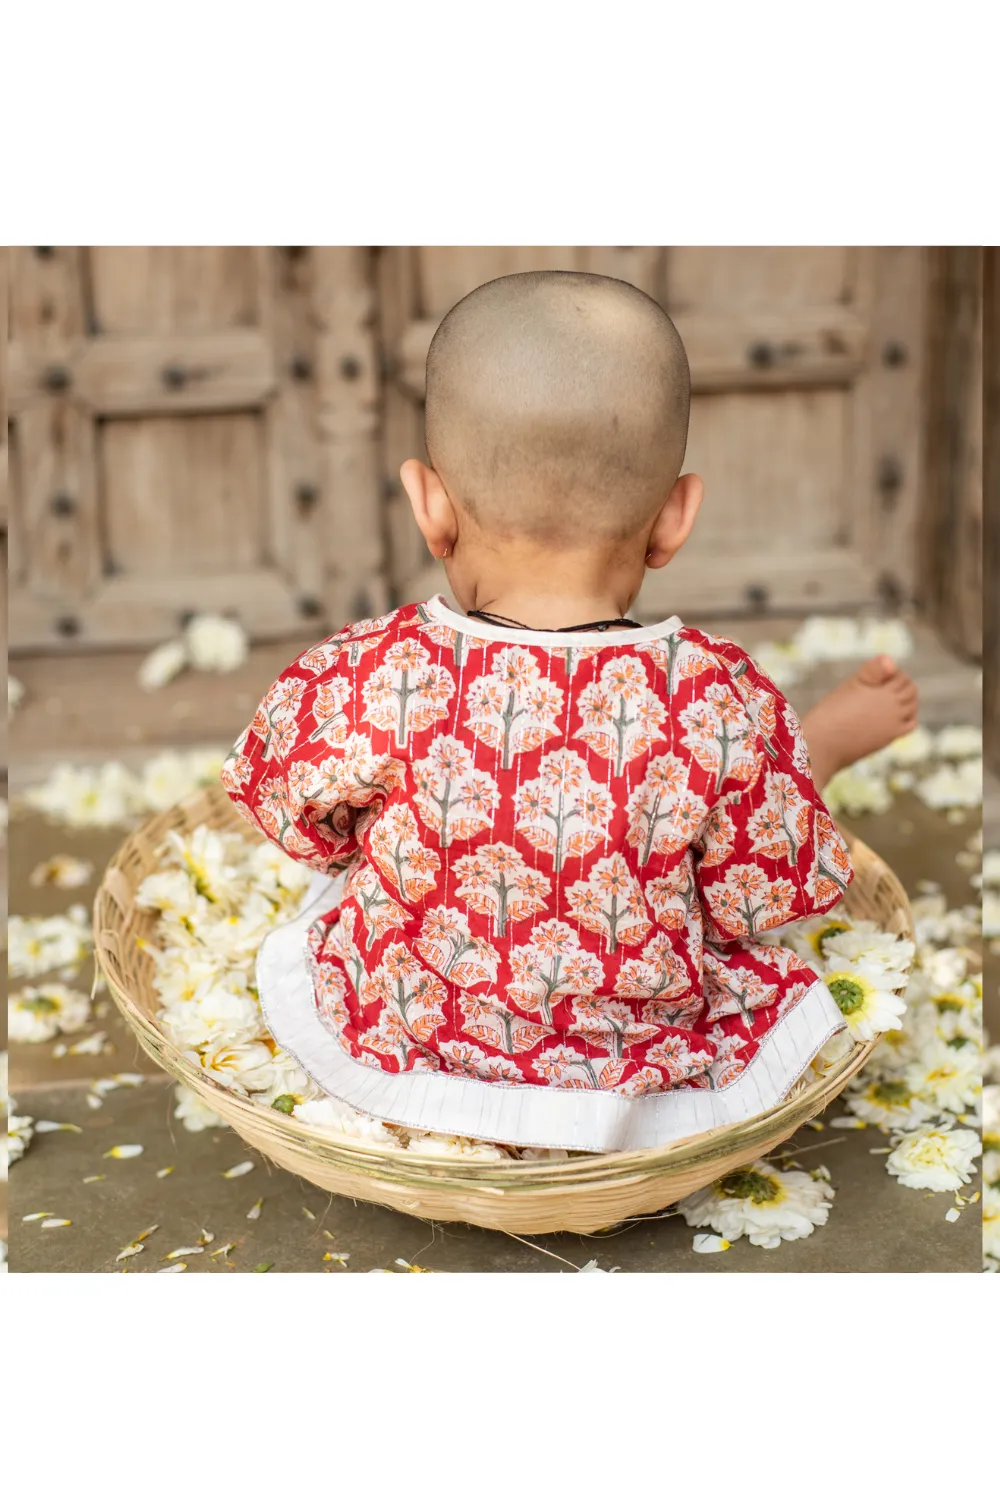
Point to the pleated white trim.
(521, 1114)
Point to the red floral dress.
(561, 853)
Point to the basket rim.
(411, 1165)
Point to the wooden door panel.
(196, 429)
(805, 367)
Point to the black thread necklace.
(488, 619)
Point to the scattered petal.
(56, 1223)
(45, 1127)
(223, 1249)
(341, 1260)
(255, 1211)
(98, 1178)
(240, 1170)
(184, 1250)
(124, 1153)
(164, 1171)
(709, 1244)
(30, 1218)
(166, 1270)
(134, 1249)
(953, 1215)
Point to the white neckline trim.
(527, 1114)
(554, 639)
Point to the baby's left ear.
(673, 525)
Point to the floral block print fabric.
(562, 859)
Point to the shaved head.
(557, 406)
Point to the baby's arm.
(302, 774)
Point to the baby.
(549, 841)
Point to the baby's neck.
(546, 591)
(551, 610)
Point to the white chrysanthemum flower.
(19, 1133)
(866, 998)
(241, 1066)
(885, 638)
(991, 1228)
(857, 790)
(934, 1158)
(336, 1118)
(288, 1084)
(162, 665)
(863, 943)
(43, 945)
(205, 856)
(216, 1013)
(833, 1051)
(39, 1014)
(991, 867)
(948, 1077)
(215, 644)
(935, 924)
(991, 1134)
(205, 765)
(890, 1103)
(428, 1143)
(166, 780)
(913, 748)
(193, 1112)
(64, 871)
(87, 797)
(950, 786)
(762, 1203)
(182, 972)
(828, 638)
(273, 873)
(172, 891)
(959, 742)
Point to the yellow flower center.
(849, 991)
(831, 929)
(753, 1185)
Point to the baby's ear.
(673, 525)
(432, 509)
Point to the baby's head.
(556, 421)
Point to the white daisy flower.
(857, 790)
(64, 871)
(38, 1014)
(88, 797)
(166, 779)
(890, 1103)
(913, 748)
(764, 1204)
(193, 1112)
(829, 638)
(863, 943)
(991, 867)
(935, 1158)
(43, 945)
(949, 1077)
(335, 1118)
(162, 665)
(430, 1144)
(866, 998)
(991, 914)
(215, 644)
(991, 1134)
(885, 638)
(241, 1066)
(19, 1133)
(959, 742)
(215, 1012)
(953, 786)
(287, 1083)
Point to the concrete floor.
(874, 1225)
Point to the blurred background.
(206, 429)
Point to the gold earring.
(444, 554)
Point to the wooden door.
(805, 419)
(194, 428)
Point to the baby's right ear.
(431, 506)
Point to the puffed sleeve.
(304, 775)
(769, 852)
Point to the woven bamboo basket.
(582, 1194)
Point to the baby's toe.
(878, 671)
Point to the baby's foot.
(870, 709)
